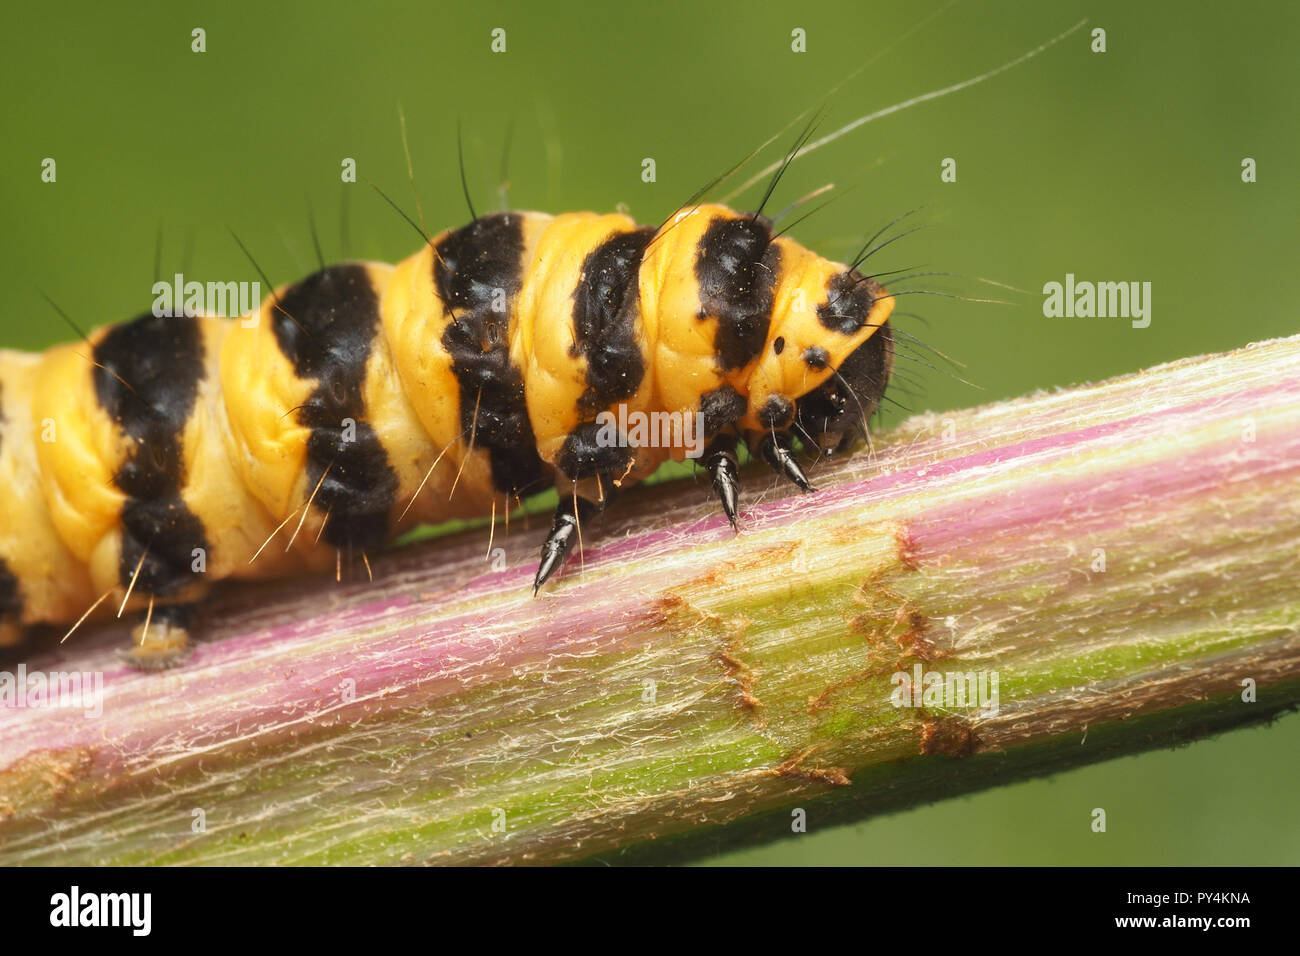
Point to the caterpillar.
(166, 452)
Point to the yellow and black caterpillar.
(368, 398)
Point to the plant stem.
(1121, 556)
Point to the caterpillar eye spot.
(779, 345)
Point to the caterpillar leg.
(776, 451)
(569, 514)
(722, 464)
(161, 640)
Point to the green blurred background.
(1117, 166)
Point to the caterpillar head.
(828, 358)
(834, 414)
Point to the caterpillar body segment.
(165, 453)
(41, 579)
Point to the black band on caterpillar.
(605, 313)
(325, 326)
(477, 272)
(146, 375)
(737, 271)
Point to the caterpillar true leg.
(565, 528)
(722, 464)
(776, 450)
